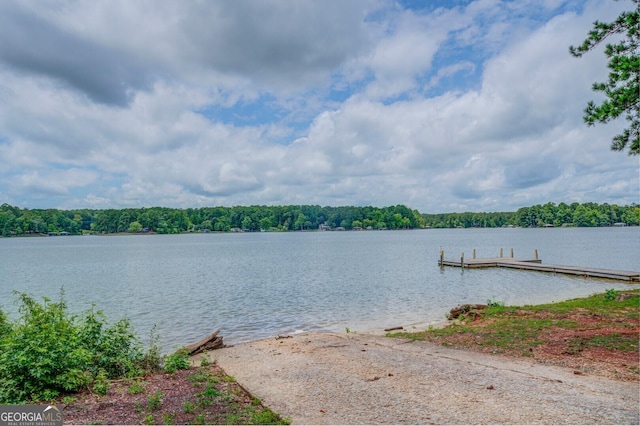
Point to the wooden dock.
(537, 265)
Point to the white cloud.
(190, 104)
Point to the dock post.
(474, 253)
(511, 252)
(442, 258)
(500, 251)
(462, 260)
(535, 254)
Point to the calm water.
(256, 285)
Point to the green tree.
(135, 226)
(246, 223)
(623, 86)
(265, 223)
(299, 223)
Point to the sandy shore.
(330, 378)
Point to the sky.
(443, 106)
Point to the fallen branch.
(209, 343)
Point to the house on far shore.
(619, 224)
(324, 227)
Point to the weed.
(149, 420)
(199, 379)
(168, 419)
(205, 361)
(234, 419)
(101, 383)
(267, 417)
(200, 419)
(347, 330)
(610, 295)
(207, 397)
(136, 388)
(155, 400)
(229, 379)
(188, 407)
(152, 360)
(211, 392)
(67, 400)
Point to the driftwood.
(394, 328)
(461, 310)
(281, 336)
(209, 343)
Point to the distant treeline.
(15, 221)
(550, 214)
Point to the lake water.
(255, 285)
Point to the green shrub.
(47, 351)
(178, 360)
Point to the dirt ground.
(558, 346)
(199, 395)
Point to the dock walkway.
(537, 265)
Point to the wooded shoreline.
(15, 221)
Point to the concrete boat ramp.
(330, 378)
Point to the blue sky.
(443, 106)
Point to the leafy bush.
(177, 361)
(47, 351)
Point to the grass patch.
(614, 342)
(516, 330)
